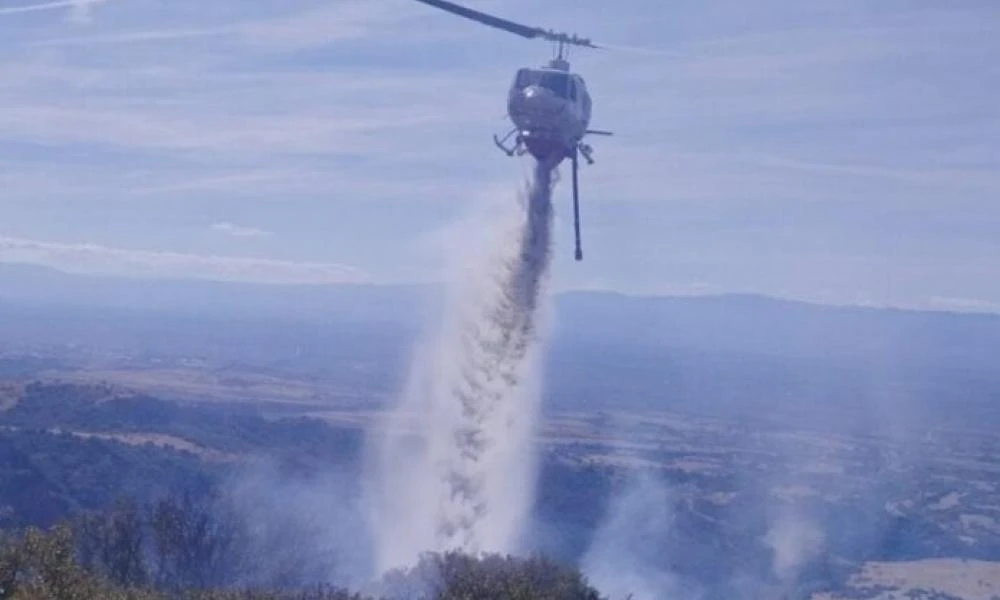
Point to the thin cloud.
(253, 179)
(135, 37)
(338, 21)
(98, 259)
(30, 8)
(234, 230)
(343, 21)
(81, 11)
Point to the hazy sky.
(842, 151)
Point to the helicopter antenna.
(562, 39)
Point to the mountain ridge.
(29, 282)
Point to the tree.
(114, 544)
(43, 565)
(196, 545)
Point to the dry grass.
(159, 440)
(967, 579)
(208, 386)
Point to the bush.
(103, 560)
(457, 576)
(41, 565)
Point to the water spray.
(464, 479)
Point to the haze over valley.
(786, 447)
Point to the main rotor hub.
(560, 64)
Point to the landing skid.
(576, 200)
(519, 147)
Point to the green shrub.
(103, 559)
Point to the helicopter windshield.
(558, 83)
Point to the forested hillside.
(108, 494)
(230, 495)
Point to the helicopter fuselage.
(550, 109)
(549, 106)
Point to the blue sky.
(841, 152)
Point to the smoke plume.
(624, 557)
(795, 540)
(455, 465)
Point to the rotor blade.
(475, 15)
(511, 26)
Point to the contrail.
(465, 481)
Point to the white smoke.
(795, 540)
(456, 465)
(303, 531)
(623, 560)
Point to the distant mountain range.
(731, 323)
(43, 286)
(608, 349)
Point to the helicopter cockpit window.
(557, 82)
(525, 77)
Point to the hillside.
(66, 448)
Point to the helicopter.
(549, 106)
